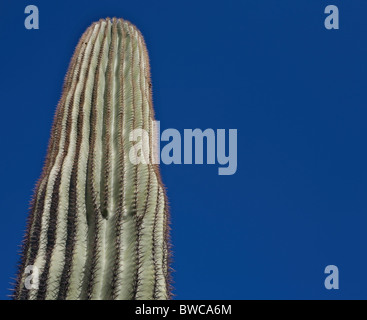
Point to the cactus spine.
(98, 226)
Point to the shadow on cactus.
(99, 225)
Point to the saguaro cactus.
(98, 226)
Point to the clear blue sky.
(296, 92)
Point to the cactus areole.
(99, 226)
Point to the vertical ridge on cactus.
(99, 225)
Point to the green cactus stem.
(99, 224)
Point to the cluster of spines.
(99, 224)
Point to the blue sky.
(296, 93)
